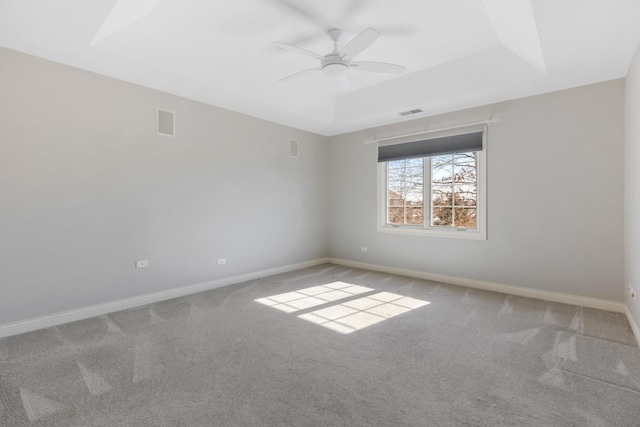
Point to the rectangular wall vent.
(410, 112)
(166, 123)
(293, 148)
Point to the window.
(434, 186)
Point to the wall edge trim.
(632, 323)
(55, 319)
(601, 304)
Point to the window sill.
(419, 231)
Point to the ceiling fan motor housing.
(338, 62)
(335, 34)
(334, 65)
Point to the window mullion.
(453, 190)
(426, 192)
(404, 194)
(386, 193)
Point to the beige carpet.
(328, 346)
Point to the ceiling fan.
(338, 62)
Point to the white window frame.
(479, 233)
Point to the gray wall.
(555, 196)
(87, 187)
(632, 186)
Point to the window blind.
(431, 147)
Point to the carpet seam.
(600, 380)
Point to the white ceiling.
(458, 53)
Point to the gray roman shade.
(431, 147)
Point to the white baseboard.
(110, 307)
(113, 306)
(601, 304)
(632, 322)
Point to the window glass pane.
(405, 164)
(396, 180)
(396, 164)
(442, 169)
(465, 195)
(417, 162)
(454, 205)
(394, 199)
(447, 198)
(414, 216)
(465, 167)
(393, 192)
(441, 195)
(414, 195)
(453, 191)
(396, 215)
(411, 172)
(405, 192)
(413, 185)
(394, 175)
(465, 217)
(442, 217)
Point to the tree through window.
(405, 192)
(452, 191)
(434, 186)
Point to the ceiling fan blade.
(299, 50)
(360, 42)
(298, 74)
(307, 38)
(378, 67)
(398, 30)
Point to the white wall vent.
(166, 123)
(410, 112)
(293, 148)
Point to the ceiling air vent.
(410, 112)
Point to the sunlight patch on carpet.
(347, 316)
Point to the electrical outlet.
(142, 264)
(222, 261)
(364, 249)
